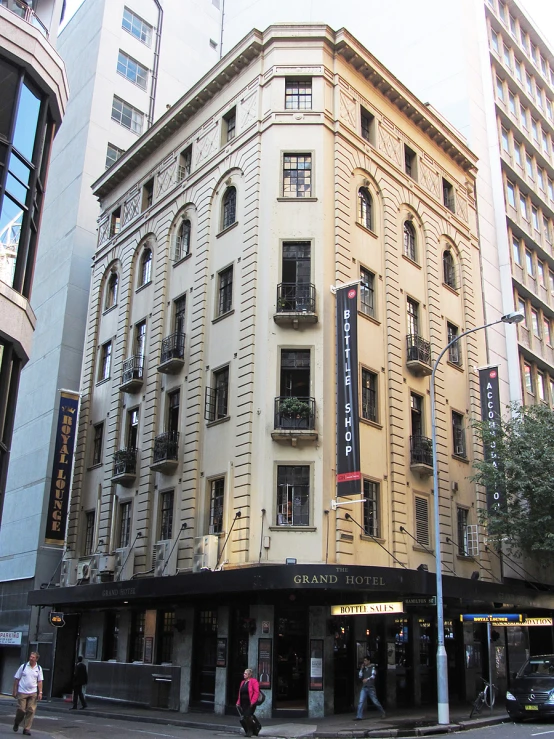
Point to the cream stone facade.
(201, 509)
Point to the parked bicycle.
(486, 697)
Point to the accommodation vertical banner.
(348, 434)
(490, 414)
(61, 467)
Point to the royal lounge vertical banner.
(490, 414)
(348, 439)
(61, 468)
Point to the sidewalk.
(399, 723)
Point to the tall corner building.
(33, 96)
(202, 535)
(126, 63)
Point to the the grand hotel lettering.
(341, 580)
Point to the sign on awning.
(367, 609)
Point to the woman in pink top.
(249, 693)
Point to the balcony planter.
(124, 466)
(294, 419)
(295, 304)
(166, 448)
(132, 376)
(294, 408)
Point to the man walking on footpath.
(367, 674)
(27, 687)
(80, 679)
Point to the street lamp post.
(442, 665)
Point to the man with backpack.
(27, 688)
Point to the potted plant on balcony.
(294, 408)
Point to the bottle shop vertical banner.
(61, 468)
(490, 414)
(348, 438)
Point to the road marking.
(540, 733)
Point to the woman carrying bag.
(249, 694)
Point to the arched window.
(449, 269)
(146, 267)
(182, 245)
(365, 207)
(111, 290)
(409, 241)
(229, 207)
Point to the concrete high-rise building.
(33, 96)
(126, 63)
(202, 534)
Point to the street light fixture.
(442, 664)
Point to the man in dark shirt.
(367, 674)
(80, 679)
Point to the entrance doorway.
(239, 622)
(344, 659)
(291, 680)
(204, 655)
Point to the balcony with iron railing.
(294, 418)
(172, 356)
(124, 466)
(418, 355)
(25, 11)
(421, 454)
(132, 374)
(166, 452)
(295, 304)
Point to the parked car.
(531, 693)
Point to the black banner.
(348, 437)
(490, 414)
(61, 468)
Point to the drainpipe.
(221, 37)
(156, 64)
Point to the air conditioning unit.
(124, 563)
(165, 558)
(69, 573)
(83, 570)
(205, 553)
(106, 563)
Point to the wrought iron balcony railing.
(421, 451)
(294, 412)
(125, 462)
(418, 349)
(173, 347)
(166, 447)
(295, 298)
(132, 369)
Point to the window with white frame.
(454, 353)
(217, 493)
(458, 435)
(528, 378)
(113, 153)
(182, 239)
(217, 396)
(225, 291)
(145, 267)
(297, 175)
(132, 70)
(112, 288)
(367, 123)
(166, 514)
(371, 508)
(409, 241)
(124, 538)
(449, 269)
(136, 26)
(105, 361)
(462, 521)
(422, 521)
(229, 208)
(367, 292)
(365, 208)
(229, 126)
(293, 495)
(511, 193)
(127, 116)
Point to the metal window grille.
(462, 514)
(97, 448)
(225, 301)
(297, 175)
(89, 533)
(298, 95)
(293, 496)
(229, 207)
(106, 364)
(166, 515)
(459, 436)
(146, 267)
(422, 521)
(124, 524)
(449, 269)
(367, 293)
(371, 508)
(369, 395)
(365, 215)
(409, 241)
(132, 70)
(138, 28)
(217, 488)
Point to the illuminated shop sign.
(367, 609)
(498, 619)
